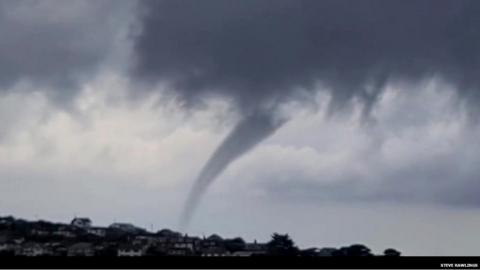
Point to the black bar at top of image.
(240, 263)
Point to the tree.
(282, 245)
(353, 250)
(235, 244)
(359, 250)
(391, 252)
(309, 252)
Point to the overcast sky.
(110, 109)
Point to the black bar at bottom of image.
(244, 262)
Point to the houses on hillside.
(31, 249)
(132, 250)
(80, 238)
(82, 249)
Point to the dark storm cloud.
(257, 51)
(54, 43)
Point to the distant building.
(5, 237)
(184, 246)
(211, 242)
(81, 249)
(8, 241)
(184, 243)
(7, 246)
(126, 227)
(39, 232)
(56, 249)
(97, 231)
(7, 220)
(178, 252)
(83, 223)
(4, 247)
(131, 251)
(256, 248)
(242, 253)
(145, 240)
(65, 231)
(31, 249)
(18, 240)
(214, 252)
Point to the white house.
(6, 246)
(31, 250)
(130, 251)
(184, 243)
(97, 231)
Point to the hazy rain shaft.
(257, 52)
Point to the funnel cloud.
(249, 132)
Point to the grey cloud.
(425, 183)
(257, 52)
(55, 44)
(448, 177)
